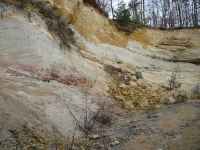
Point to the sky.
(115, 2)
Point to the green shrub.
(138, 75)
(139, 23)
(122, 14)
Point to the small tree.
(173, 83)
(122, 14)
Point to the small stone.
(95, 136)
(154, 87)
(172, 99)
(122, 85)
(125, 93)
(133, 78)
(34, 146)
(82, 148)
(128, 98)
(78, 143)
(140, 82)
(160, 91)
(148, 88)
(143, 91)
(109, 92)
(167, 99)
(154, 94)
(129, 105)
(143, 102)
(114, 143)
(120, 97)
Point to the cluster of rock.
(31, 138)
(142, 94)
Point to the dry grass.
(93, 4)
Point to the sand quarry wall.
(39, 77)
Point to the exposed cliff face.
(33, 65)
(151, 54)
(42, 76)
(152, 51)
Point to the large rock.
(167, 99)
(143, 101)
(132, 83)
(114, 143)
(140, 82)
(122, 85)
(160, 91)
(125, 93)
(154, 87)
(120, 97)
(100, 86)
(172, 99)
(129, 105)
(133, 78)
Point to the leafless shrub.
(196, 90)
(1, 15)
(93, 120)
(56, 138)
(173, 83)
(181, 98)
(29, 16)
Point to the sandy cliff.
(39, 77)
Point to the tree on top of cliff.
(122, 14)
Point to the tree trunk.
(186, 13)
(104, 5)
(157, 12)
(143, 12)
(169, 8)
(179, 11)
(112, 10)
(136, 15)
(195, 13)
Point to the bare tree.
(143, 12)
(111, 4)
(157, 12)
(2, 10)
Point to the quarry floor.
(173, 127)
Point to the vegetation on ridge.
(122, 14)
(53, 20)
(163, 14)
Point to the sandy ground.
(174, 127)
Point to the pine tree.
(122, 14)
